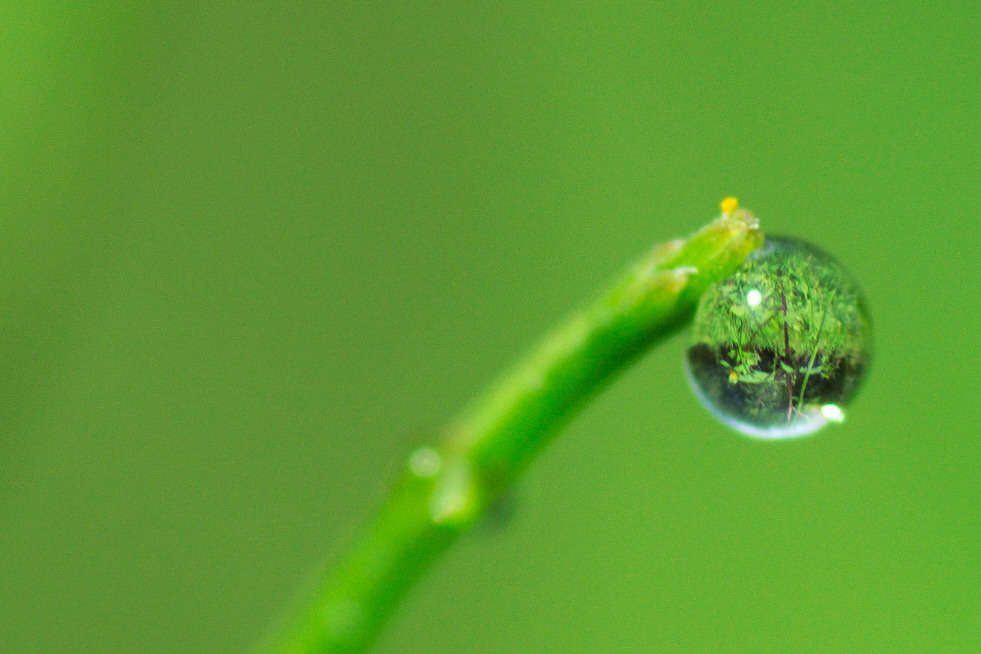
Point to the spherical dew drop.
(779, 348)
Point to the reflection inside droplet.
(779, 347)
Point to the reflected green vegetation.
(781, 345)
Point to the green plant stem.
(446, 486)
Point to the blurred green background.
(250, 254)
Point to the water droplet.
(425, 462)
(779, 347)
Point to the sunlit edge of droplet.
(801, 426)
(816, 419)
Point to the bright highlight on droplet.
(833, 413)
(779, 347)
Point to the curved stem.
(446, 486)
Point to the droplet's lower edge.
(798, 428)
(808, 422)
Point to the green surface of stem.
(446, 486)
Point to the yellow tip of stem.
(729, 205)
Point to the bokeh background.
(253, 252)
